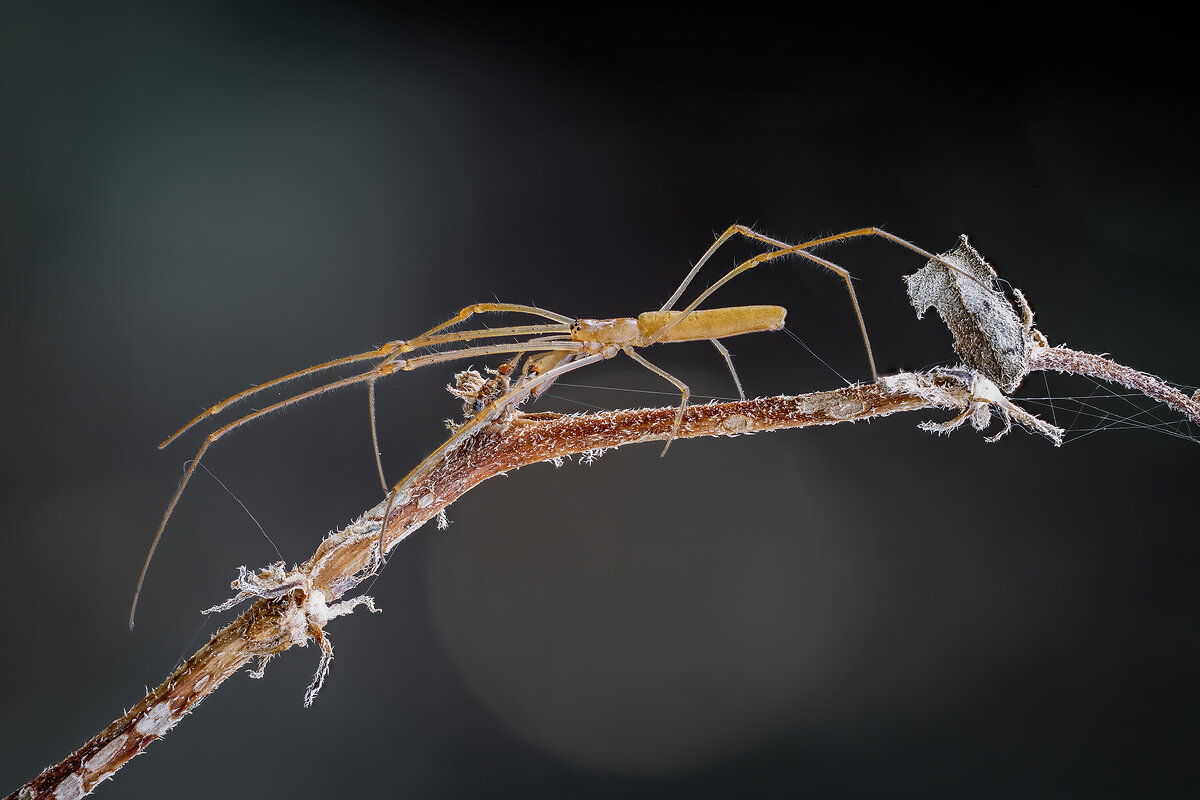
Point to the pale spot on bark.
(99, 760)
(157, 720)
(69, 788)
(736, 423)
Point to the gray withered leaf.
(989, 336)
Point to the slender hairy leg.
(477, 308)
(684, 391)
(485, 416)
(383, 369)
(375, 434)
(729, 363)
(386, 367)
(385, 351)
(414, 363)
(763, 258)
(801, 250)
(391, 349)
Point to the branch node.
(305, 612)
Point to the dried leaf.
(989, 336)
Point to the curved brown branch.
(295, 605)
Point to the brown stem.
(1062, 359)
(294, 608)
(342, 561)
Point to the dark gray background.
(199, 198)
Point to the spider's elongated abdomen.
(711, 323)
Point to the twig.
(1073, 362)
(293, 607)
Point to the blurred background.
(198, 197)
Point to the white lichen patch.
(99, 760)
(840, 407)
(200, 684)
(69, 788)
(736, 423)
(157, 720)
(805, 405)
(316, 607)
(426, 500)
